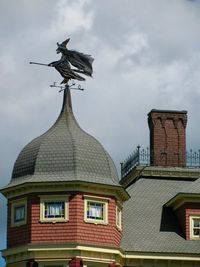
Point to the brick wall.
(98, 234)
(75, 230)
(51, 232)
(167, 137)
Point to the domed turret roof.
(64, 153)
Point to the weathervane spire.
(81, 62)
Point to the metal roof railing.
(142, 157)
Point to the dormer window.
(195, 227)
(186, 206)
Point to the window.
(53, 208)
(96, 210)
(195, 227)
(18, 212)
(119, 217)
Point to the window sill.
(95, 222)
(195, 238)
(119, 228)
(18, 224)
(53, 221)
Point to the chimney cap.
(167, 111)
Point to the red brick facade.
(75, 230)
(167, 137)
(20, 234)
(31, 263)
(75, 263)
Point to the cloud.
(147, 55)
(71, 17)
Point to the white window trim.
(193, 237)
(53, 198)
(15, 204)
(118, 208)
(100, 200)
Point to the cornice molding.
(175, 173)
(181, 198)
(44, 187)
(100, 255)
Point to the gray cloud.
(147, 55)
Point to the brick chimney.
(167, 137)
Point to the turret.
(64, 195)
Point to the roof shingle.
(150, 227)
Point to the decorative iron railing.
(193, 159)
(143, 157)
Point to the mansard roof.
(149, 226)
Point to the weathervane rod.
(66, 86)
(36, 63)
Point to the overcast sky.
(147, 55)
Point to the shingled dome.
(64, 153)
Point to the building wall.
(75, 230)
(18, 235)
(49, 232)
(98, 234)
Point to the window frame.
(119, 213)
(17, 204)
(98, 200)
(192, 236)
(54, 198)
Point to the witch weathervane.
(68, 60)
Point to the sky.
(147, 55)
